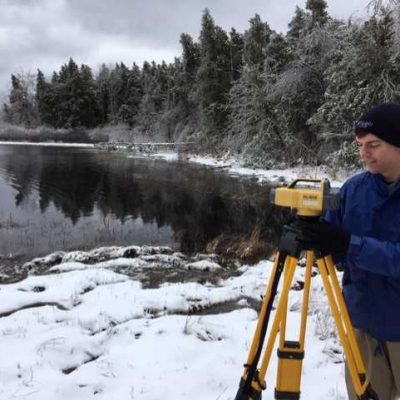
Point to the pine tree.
(213, 75)
(297, 25)
(86, 106)
(118, 83)
(256, 40)
(300, 89)
(318, 9)
(102, 84)
(236, 43)
(256, 119)
(44, 99)
(186, 73)
(62, 96)
(68, 71)
(22, 108)
(190, 57)
(183, 118)
(278, 56)
(150, 104)
(129, 109)
(69, 100)
(246, 100)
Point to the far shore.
(48, 144)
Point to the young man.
(365, 234)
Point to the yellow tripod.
(291, 353)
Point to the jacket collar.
(383, 186)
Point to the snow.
(80, 329)
(204, 265)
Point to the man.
(365, 234)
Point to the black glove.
(323, 236)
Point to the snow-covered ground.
(85, 329)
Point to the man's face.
(379, 156)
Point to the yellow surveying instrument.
(308, 199)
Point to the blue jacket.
(371, 279)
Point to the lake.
(63, 198)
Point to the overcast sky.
(46, 33)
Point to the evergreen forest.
(268, 98)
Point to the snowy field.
(78, 327)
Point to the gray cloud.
(45, 33)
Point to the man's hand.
(323, 236)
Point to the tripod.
(291, 353)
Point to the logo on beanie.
(362, 124)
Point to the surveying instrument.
(308, 199)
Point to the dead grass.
(249, 249)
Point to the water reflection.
(63, 198)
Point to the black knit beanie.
(383, 121)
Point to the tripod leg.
(280, 316)
(306, 295)
(250, 384)
(291, 353)
(345, 328)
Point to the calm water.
(60, 198)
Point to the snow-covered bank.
(275, 176)
(88, 331)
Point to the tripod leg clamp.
(290, 360)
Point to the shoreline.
(230, 165)
(54, 144)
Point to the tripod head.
(307, 197)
